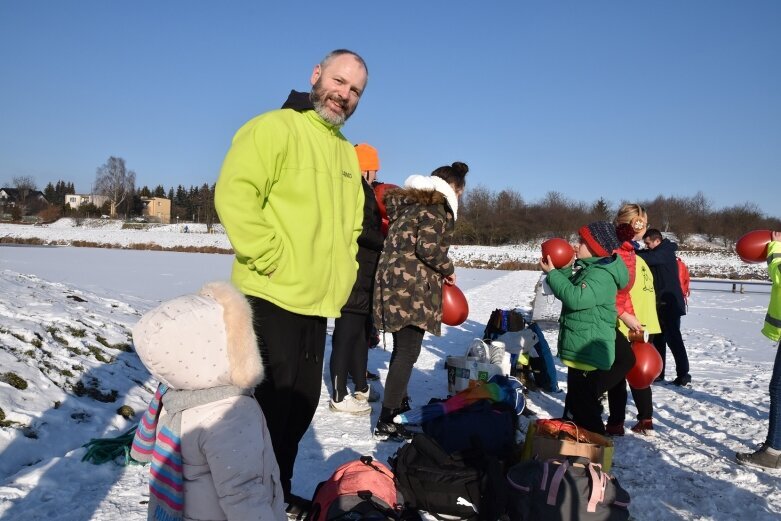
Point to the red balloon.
(384, 227)
(379, 193)
(455, 308)
(560, 251)
(648, 365)
(752, 247)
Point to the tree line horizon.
(486, 217)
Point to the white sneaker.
(351, 405)
(369, 395)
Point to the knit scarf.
(159, 442)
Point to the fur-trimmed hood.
(421, 190)
(437, 184)
(201, 341)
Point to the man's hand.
(450, 280)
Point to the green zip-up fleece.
(587, 325)
(290, 197)
(772, 327)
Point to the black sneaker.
(389, 431)
(297, 507)
(682, 381)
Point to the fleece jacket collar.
(302, 102)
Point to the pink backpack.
(359, 489)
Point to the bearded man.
(290, 198)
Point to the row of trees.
(115, 181)
(494, 218)
(485, 217)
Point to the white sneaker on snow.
(369, 395)
(351, 405)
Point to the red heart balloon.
(560, 251)
(455, 308)
(648, 365)
(379, 194)
(752, 247)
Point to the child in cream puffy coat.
(209, 447)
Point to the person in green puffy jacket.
(768, 455)
(587, 325)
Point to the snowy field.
(66, 314)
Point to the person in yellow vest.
(631, 223)
(769, 453)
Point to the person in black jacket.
(670, 304)
(352, 330)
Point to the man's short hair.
(653, 234)
(339, 52)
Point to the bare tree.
(25, 187)
(115, 181)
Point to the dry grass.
(34, 241)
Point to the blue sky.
(618, 99)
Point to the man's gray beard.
(319, 104)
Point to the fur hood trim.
(246, 366)
(201, 341)
(434, 183)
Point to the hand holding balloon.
(546, 264)
(559, 251)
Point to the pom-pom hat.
(600, 237)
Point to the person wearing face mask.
(290, 197)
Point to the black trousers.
(585, 388)
(292, 348)
(624, 361)
(581, 405)
(406, 349)
(670, 321)
(349, 353)
(617, 395)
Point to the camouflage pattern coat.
(408, 282)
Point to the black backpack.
(466, 484)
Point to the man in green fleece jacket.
(290, 198)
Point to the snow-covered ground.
(66, 314)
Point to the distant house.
(76, 200)
(157, 209)
(10, 197)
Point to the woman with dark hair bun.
(408, 283)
